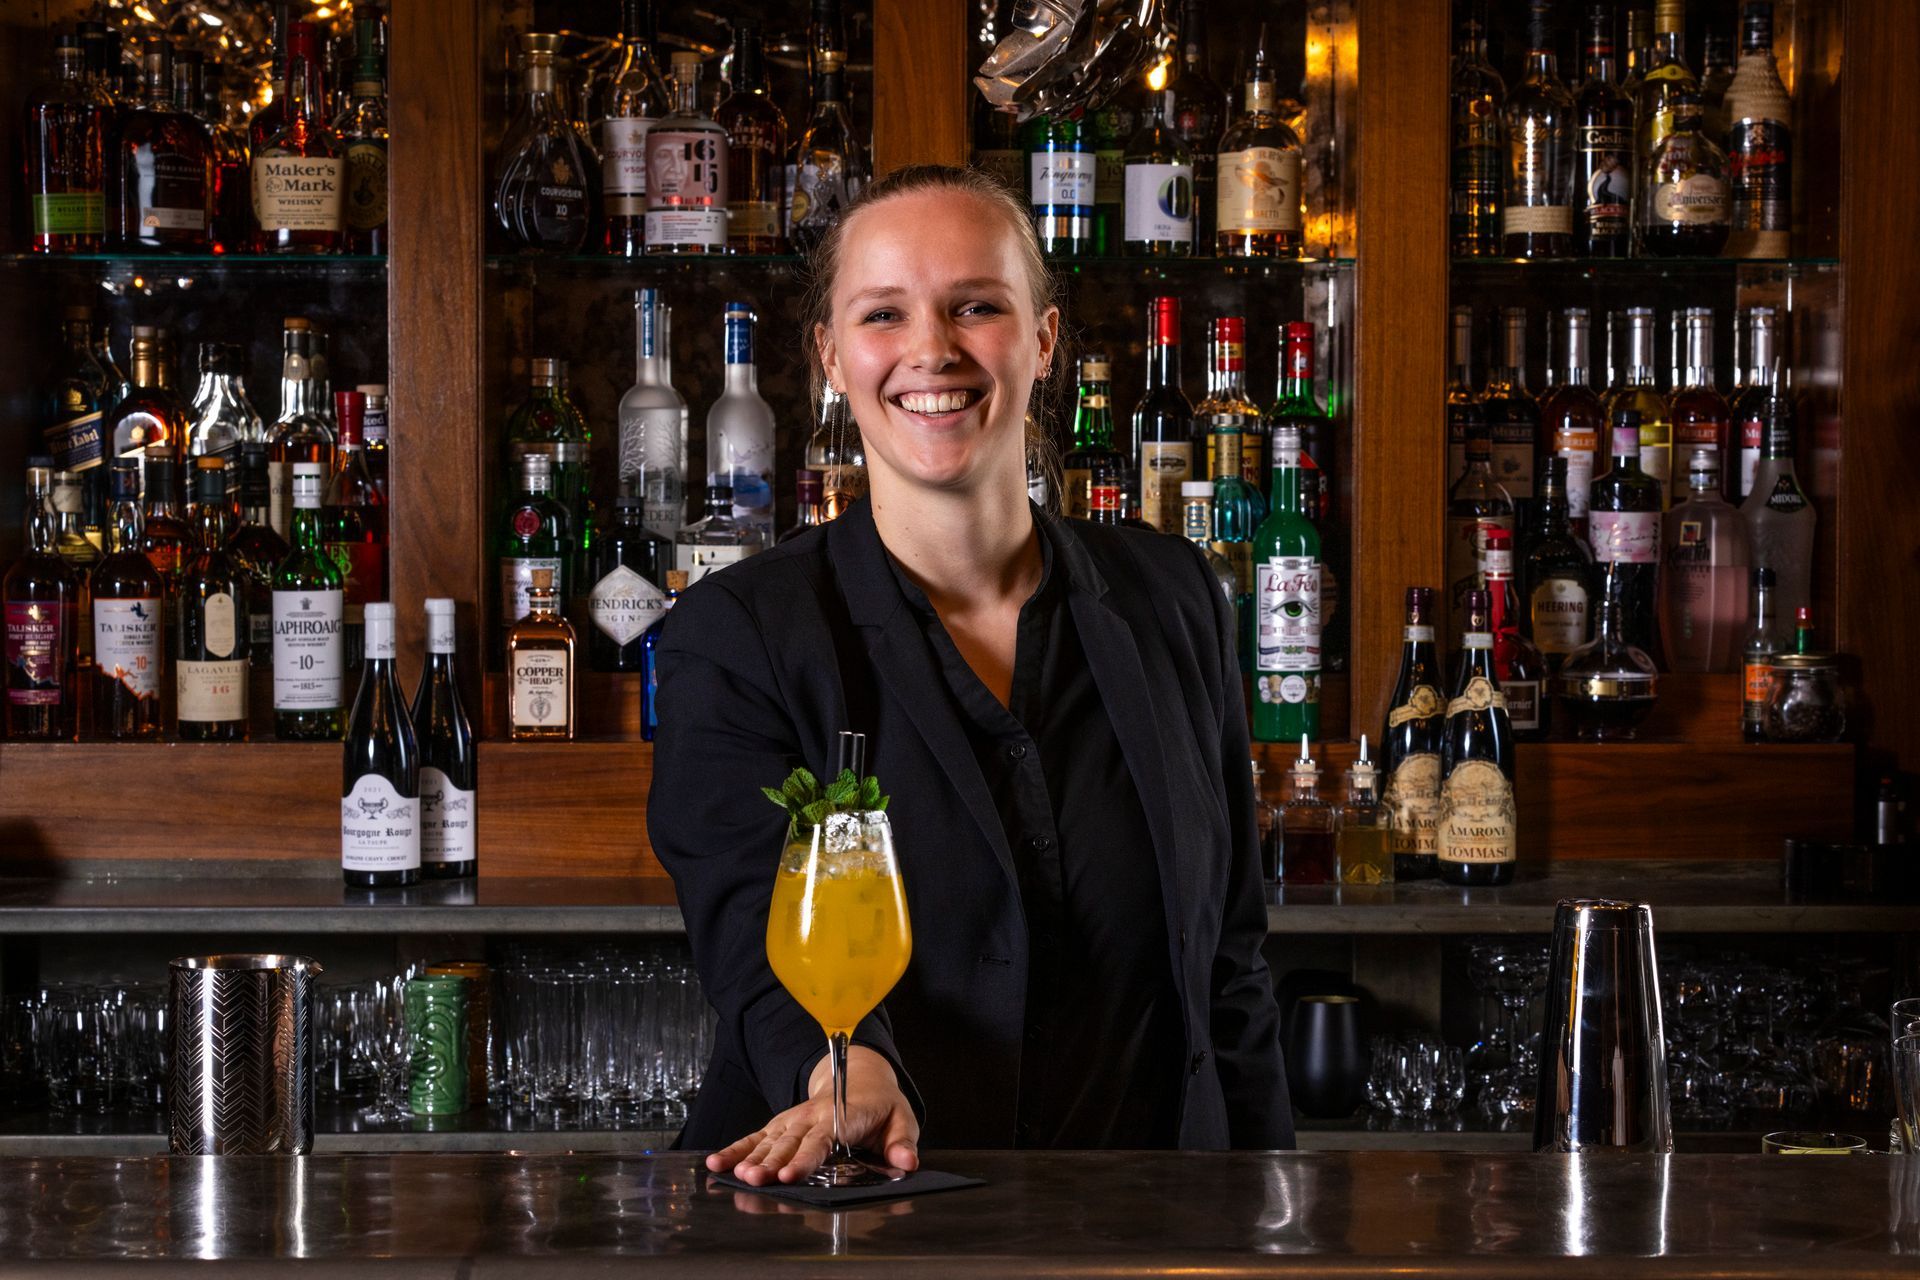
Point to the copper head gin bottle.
(540, 668)
(380, 784)
(1478, 821)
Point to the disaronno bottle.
(540, 669)
(1478, 822)
(1258, 202)
(1410, 744)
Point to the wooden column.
(922, 86)
(1400, 440)
(1878, 532)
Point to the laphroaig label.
(1477, 814)
(1259, 190)
(1287, 591)
(1061, 178)
(448, 831)
(1625, 537)
(297, 193)
(379, 827)
(539, 689)
(1159, 205)
(126, 643)
(309, 661)
(624, 604)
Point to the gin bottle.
(630, 564)
(535, 537)
(653, 421)
(1060, 184)
(740, 430)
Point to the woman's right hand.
(793, 1143)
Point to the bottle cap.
(1196, 488)
(349, 412)
(439, 605)
(676, 579)
(1363, 773)
(379, 630)
(685, 58)
(543, 580)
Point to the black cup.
(1326, 1056)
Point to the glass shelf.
(155, 273)
(1646, 266)
(645, 265)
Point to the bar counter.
(1041, 1214)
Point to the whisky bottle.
(211, 636)
(449, 766)
(258, 550)
(1092, 433)
(1537, 217)
(223, 417)
(1759, 144)
(361, 128)
(649, 654)
(66, 158)
(301, 433)
(836, 453)
(129, 622)
(1555, 572)
(374, 433)
(1475, 183)
(1256, 208)
(81, 397)
(1286, 594)
(1199, 112)
(353, 519)
(540, 198)
(1163, 421)
(630, 564)
(152, 413)
(540, 668)
(740, 429)
(1602, 148)
(536, 536)
(42, 604)
(309, 657)
(1364, 842)
(1517, 664)
(299, 175)
(1228, 405)
(830, 166)
(716, 540)
(380, 805)
(756, 150)
(164, 169)
(636, 101)
(1410, 743)
(686, 172)
(1158, 215)
(1478, 821)
(1309, 852)
(163, 534)
(653, 421)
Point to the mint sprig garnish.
(807, 802)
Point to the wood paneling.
(1879, 520)
(922, 86)
(1401, 313)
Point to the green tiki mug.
(437, 1027)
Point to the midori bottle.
(449, 768)
(1410, 743)
(309, 603)
(380, 784)
(1286, 602)
(1478, 820)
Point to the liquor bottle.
(996, 133)
(540, 668)
(163, 534)
(66, 138)
(354, 520)
(118, 384)
(129, 620)
(806, 504)
(540, 197)
(1463, 402)
(1364, 844)
(1477, 827)
(740, 429)
(1296, 405)
(1060, 184)
(70, 541)
(374, 432)
(1704, 547)
(1623, 523)
(1475, 504)
(1238, 513)
(1257, 206)
(717, 539)
(535, 537)
(1159, 187)
(1716, 77)
(164, 169)
(1163, 421)
(449, 763)
(1759, 144)
(1513, 415)
(299, 175)
(1701, 419)
(301, 432)
(309, 633)
(380, 802)
(258, 550)
(1748, 412)
(1555, 571)
(75, 434)
(223, 417)
(1228, 406)
(630, 563)
(1517, 664)
(756, 150)
(1609, 685)
(361, 128)
(1309, 851)
(1476, 184)
(232, 168)
(42, 603)
(152, 412)
(1410, 743)
(1780, 518)
(649, 663)
(1106, 494)
(1196, 508)
(636, 101)
(1538, 119)
(1573, 420)
(1092, 434)
(830, 166)
(1112, 124)
(835, 453)
(1639, 391)
(1665, 84)
(211, 638)
(1763, 644)
(549, 422)
(1602, 149)
(1680, 182)
(1286, 556)
(263, 123)
(1199, 113)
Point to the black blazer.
(763, 663)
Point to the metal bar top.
(1041, 1214)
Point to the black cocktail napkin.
(918, 1183)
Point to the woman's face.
(934, 339)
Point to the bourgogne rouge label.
(379, 827)
(447, 827)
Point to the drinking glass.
(1906, 1090)
(1812, 1144)
(1905, 1017)
(383, 1042)
(838, 938)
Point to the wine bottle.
(1410, 743)
(1478, 821)
(380, 784)
(1623, 522)
(1163, 421)
(449, 768)
(309, 602)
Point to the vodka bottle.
(653, 422)
(740, 430)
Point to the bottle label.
(37, 643)
(1480, 693)
(687, 226)
(440, 632)
(516, 584)
(280, 497)
(1559, 609)
(82, 213)
(1076, 484)
(77, 443)
(1757, 684)
(1579, 455)
(1164, 467)
(1625, 537)
(1751, 430)
(297, 193)
(1786, 497)
(754, 218)
(624, 604)
(159, 219)
(1606, 158)
(1536, 220)
(1110, 178)
(260, 635)
(1413, 798)
(309, 666)
(362, 568)
(687, 169)
(219, 625)
(1008, 166)
(623, 168)
(1159, 206)
(1477, 164)
(1695, 201)
(209, 692)
(1477, 814)
(373, 425)
(364, 205)
(1760, 169)
(1523, 703)
(822, 192)
(126, 642)
(1422, 704)
(539, 683)
(1288, 628)
(1258, 191)
(379, 827)
(699, 561)
(1513, 457)
(448, 826)
(1061, 178)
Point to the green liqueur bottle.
(1478, 821)
(1297, 406)
(1286, 666)
(1092, 434)
(309, 611)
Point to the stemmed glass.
(838, 939)
(381, 1034)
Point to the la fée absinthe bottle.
(380, 784)
(1286, 603)
(449, 765)
(1478, 820)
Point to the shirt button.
(1040, 844)
(1016, 752)
(1198, 1059)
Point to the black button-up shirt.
(1104, 1051)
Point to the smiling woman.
(1076, 841)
